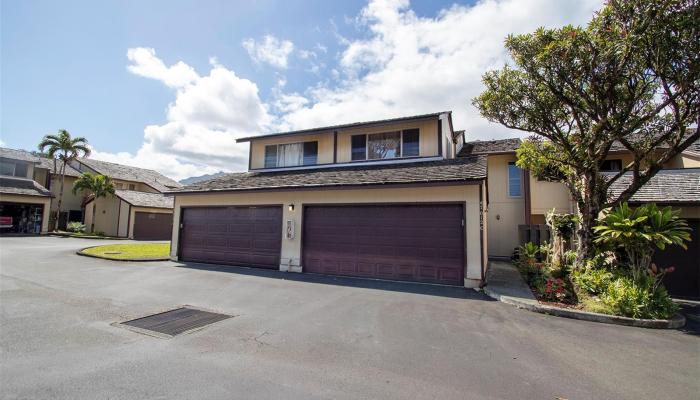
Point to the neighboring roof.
(145, 199)
(455, 170)
(498, 146)
(667, 186)
(150, 177)
(694, 147)
(48, 163)
(22, 186)
(345, 126)
(21, 155)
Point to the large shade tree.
(65, 148)
(96, 186)
(630, 78)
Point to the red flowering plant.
(554, 289)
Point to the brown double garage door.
(416, 242)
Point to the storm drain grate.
(175, 322)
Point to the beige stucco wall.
(70, 201)
(107, 215)
(684, 161)
(134, 210)
(505, 213)
(545, 196)
(291, 248)
(46, 201)
(427, 142)
(124, 221)
(40, 175)
(138, 186)
(324, 139)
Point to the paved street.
(304, 336)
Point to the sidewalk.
(504, 283)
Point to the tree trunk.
(589, 208)
(94, 211)
(60, 194)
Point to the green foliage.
(535, 155)
(97, 185)
(638, 299)
(529, 251)
(554, 289)
(630, 77)
(75, 227)
(639, 232)
(593, 281)
(64, 147)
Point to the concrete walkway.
(505, 283)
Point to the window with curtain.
(291, 154)
(515, 176)
(385, 145)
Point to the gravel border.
(677, 321)
(82, 253)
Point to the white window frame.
(508, 180)
(14, 167)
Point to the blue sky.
(282, 64)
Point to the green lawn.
(131, 251)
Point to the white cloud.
(145, 63)
(402, 65)
(407, 65)
(208, 114)
(269, 50)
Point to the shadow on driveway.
(404, 287)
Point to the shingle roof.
(144, 199)
(22, 155)
(695, 147)
(22, 186)
(490, 146)
(150, 177)
(455, 170)
(48, 164)
(345, 126)
(667, 186)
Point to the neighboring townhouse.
(138, 210)
(382, 199)
(518, 201)
(24, 203)
(72, 204)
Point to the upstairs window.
(515, 180)
(611, 165)
(291, 154)
(13, 169)
(385, 145)
(132, 186)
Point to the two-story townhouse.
(138, 210)
(382, 199)
(24, 203)
(517, 200)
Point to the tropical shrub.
(638, 298)
(637, 233)
(592, 281)
(75, 227)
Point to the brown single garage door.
(421, 243)
(153, 226)
(245, 236)
(684, 282)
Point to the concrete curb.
(677, 321)
(81, 253)
(67, 235)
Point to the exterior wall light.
(291, 207)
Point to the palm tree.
(66, 149)
(98, 186)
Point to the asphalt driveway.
(304, 337)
